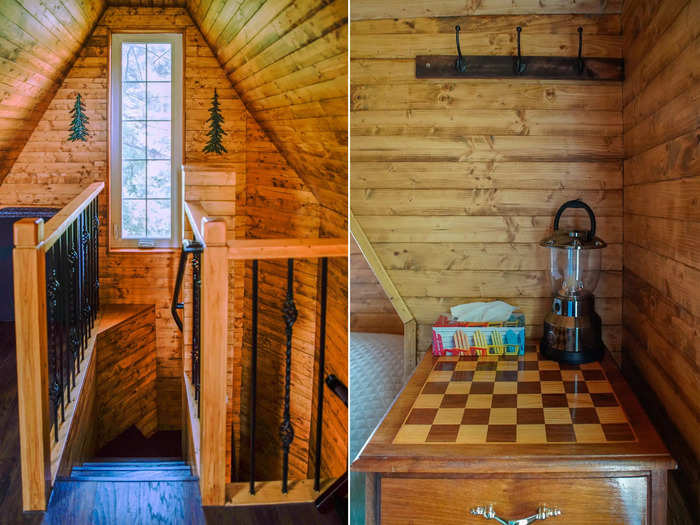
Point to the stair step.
(164, 459)
(131, 475)
(137, 466)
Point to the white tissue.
(491, 312)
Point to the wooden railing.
(210, 444)
(56, 300)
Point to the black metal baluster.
(52, 287)
(59, 247)
(66, 296)
(73, 336)
(253, 375)
(96, 248)
(196, 321)
(84, 305)
(286, 429)
(321, 372)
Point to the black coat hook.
(461, 64)
(518, 64)
(580, 47)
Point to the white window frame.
(115, 140)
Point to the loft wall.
(661, 310)
(456, 181)
(38, 43)
(51, 171)
(370, 308)
(288, 62)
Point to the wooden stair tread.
(113, 314)
(270, 492)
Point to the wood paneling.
(38, 43)
(370, 308)
(51, 171)
(369, 9)
(288, 62)
(661, 309)
(456, 181)
(126, 375)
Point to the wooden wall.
(51, 171)
(456, 181)
(125, 385)
(38, 43)
(370, 308)
(661, 310)
(288, 62)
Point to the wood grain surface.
(455, 181)
(661, 308)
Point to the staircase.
(127, 490)
(132, 469)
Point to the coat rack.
(554, 68)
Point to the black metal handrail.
(195, 248)
(72, 302)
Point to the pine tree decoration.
(216, 132)
(78, 131)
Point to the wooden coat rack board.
(553, 68)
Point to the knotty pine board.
(288, 63)
(661, 310)
(38, 43)
(455, 182)
(370, 308)
(51, 171)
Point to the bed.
(376, 376)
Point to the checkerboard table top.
(521, 399)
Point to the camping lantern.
(572, 329)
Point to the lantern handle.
(576, 204)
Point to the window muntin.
(146, 138)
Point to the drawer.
(583, 501)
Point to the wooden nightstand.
(519, 434)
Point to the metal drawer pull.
(543, 512)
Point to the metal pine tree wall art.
(216, 132)
(78, 129)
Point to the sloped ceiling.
(286, 59)
(288, 62)
(38, 43)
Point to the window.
(146, 139)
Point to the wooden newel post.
(214, 330)
(32, 362)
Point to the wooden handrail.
(59, 223)
(198, 219)
(248, 249)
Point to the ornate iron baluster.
(196, 320)
(253, 375)
(286, 429)
(52, 288)
(73, 335)
(321, 372)
(95, 282)
(85, 304)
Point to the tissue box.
(451, 337)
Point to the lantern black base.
(572, 358)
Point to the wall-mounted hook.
(461, 64)
(580, 47)
(518, 65)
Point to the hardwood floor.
(291, 514)
(110, 503)
(10, 488)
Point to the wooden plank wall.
(278, 205)
(51, 171)
(38, 43)
(125, 385)
(456, 181)
(288, 62)
(370, 308)
(661, 309)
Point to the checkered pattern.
(515, 399)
